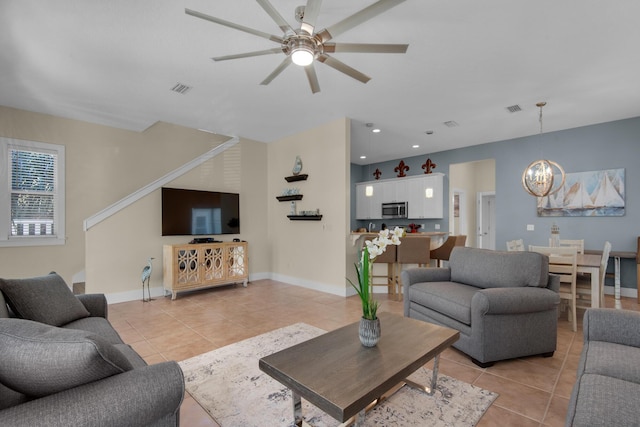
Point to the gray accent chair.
(504, 304)
(63, 364)
(607, 387)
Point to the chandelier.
(542, 177)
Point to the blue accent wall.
(611, 145)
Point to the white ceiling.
(114, 63)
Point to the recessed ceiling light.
(429, 132)
(376, 131)
(415, 146)
(363, 157)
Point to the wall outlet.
(437, 226)
(530, 227)
(422, 226)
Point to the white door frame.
(488, 240)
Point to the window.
(32, 193)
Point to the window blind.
(33, 192)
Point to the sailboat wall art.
(595, 193)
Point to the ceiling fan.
(306, 45)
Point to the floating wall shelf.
(294, 178)
(289, 198)
(304, 217)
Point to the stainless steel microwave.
(394, 210)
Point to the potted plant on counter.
(369, 330)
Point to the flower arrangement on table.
(370, 250)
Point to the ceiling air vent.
(181, 88)
(513, 108)
(451, 124)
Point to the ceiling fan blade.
(284, 64)
(275, 15)
(248, 54)
(313, 78)
(311, 12)
(357, 18)
(365, 47)
(343, 68)
(234, 26)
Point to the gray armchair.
(504, 304)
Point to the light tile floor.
(533, 391)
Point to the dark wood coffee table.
(344, 379)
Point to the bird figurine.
(146, 277)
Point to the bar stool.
(411, 250)
(388, 257)
(444, 252)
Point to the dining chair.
(411, 250)
(578, 243)
(387, 257)
(515, 245)
(583, 282)
(443, 252)
(563, 263)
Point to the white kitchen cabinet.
(395, 190)
(402, 190)
(368, 207)
(421, 206)
(411, 189)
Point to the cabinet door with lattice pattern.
(212, 258)
(236, 256)
(187, 271)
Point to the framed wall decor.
(594, 193)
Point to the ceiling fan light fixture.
(304, 45)
(302, 56)
(303, 50)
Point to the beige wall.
(118, 248)
(312, 253)
(105, 164)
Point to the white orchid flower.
(374, 251)
(398, 232)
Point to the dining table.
(590, 263)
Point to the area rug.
(229, 385)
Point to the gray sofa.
(505, 304)
(607, 387)
(63, 364)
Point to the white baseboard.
(624, 292)
(159, 292)
(316, 286)
(114, 298)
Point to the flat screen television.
(197, 213)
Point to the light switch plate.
(437, 226)
(530, 227)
